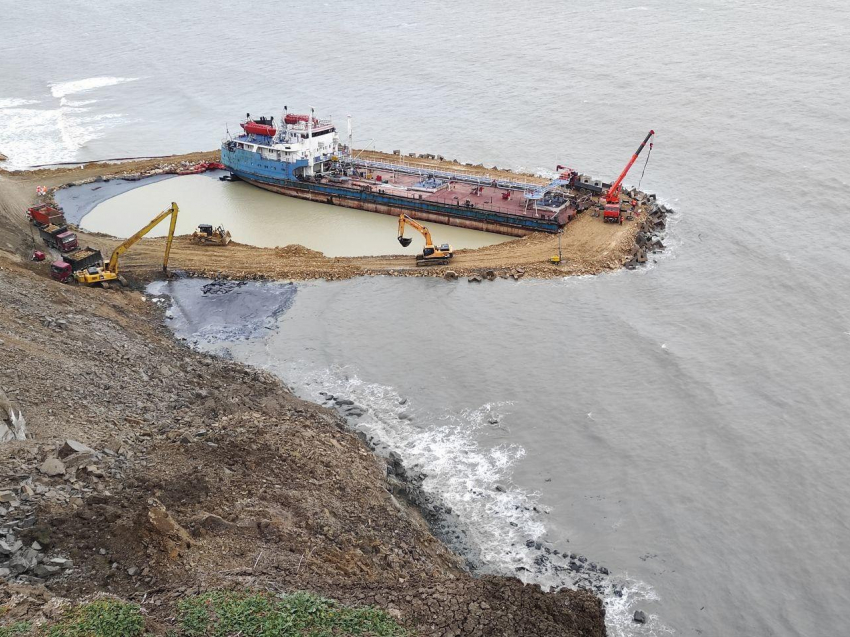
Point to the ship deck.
(486, 198)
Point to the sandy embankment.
(588, 245)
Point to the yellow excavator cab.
(103, 275)
(431, 254)
(95, 275)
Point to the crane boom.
(613, 195)
(173, 210)
(404, 219)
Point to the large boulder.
(52, 467)
(71, 447)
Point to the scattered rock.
(52, 467)
(71, 447)
(163, 525)
(450, 275)
(640, 617)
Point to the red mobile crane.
(612, 198)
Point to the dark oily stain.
(221, 286)
(223, 310)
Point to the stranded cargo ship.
(301, 156)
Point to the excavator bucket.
(405, 241)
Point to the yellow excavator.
(431, 254)
(98, 275)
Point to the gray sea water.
(684, 425)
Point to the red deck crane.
(612, 198)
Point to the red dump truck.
(45, 215)
(58, 237)
(63, 270)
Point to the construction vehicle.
(99, 275)
(207, 235)
(58, 237)
(431, 254)
(63, 270)
(612, 211)
(44, 215)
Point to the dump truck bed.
(84, 258)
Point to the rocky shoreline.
(170, 472)
(406, 483)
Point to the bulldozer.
(207, 235)
(103, 275)
(431, 254)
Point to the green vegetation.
(102, 618)
(15, 630)
(220, 614)
(223, 614)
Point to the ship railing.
(412, 169)
(540, 191)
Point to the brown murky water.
(257, 217)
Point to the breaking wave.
(31, 136)
(61, 89)
(12, 102)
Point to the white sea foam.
(76, 104)
(460, 472)
(33, 136)
(61, 89)
(619, 609)
(13, 102)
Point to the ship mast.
(310, 144)
(282, 133)
(350, 145)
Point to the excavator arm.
(173, 210)
(404, 241)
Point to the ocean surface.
(684, 425)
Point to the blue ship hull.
(279, 176)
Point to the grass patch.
(103, 618)
(15, 630)
(220, 614)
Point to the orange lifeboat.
(259, 128)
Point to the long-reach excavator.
(612, 197)
(97, 275)
(431, 254)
